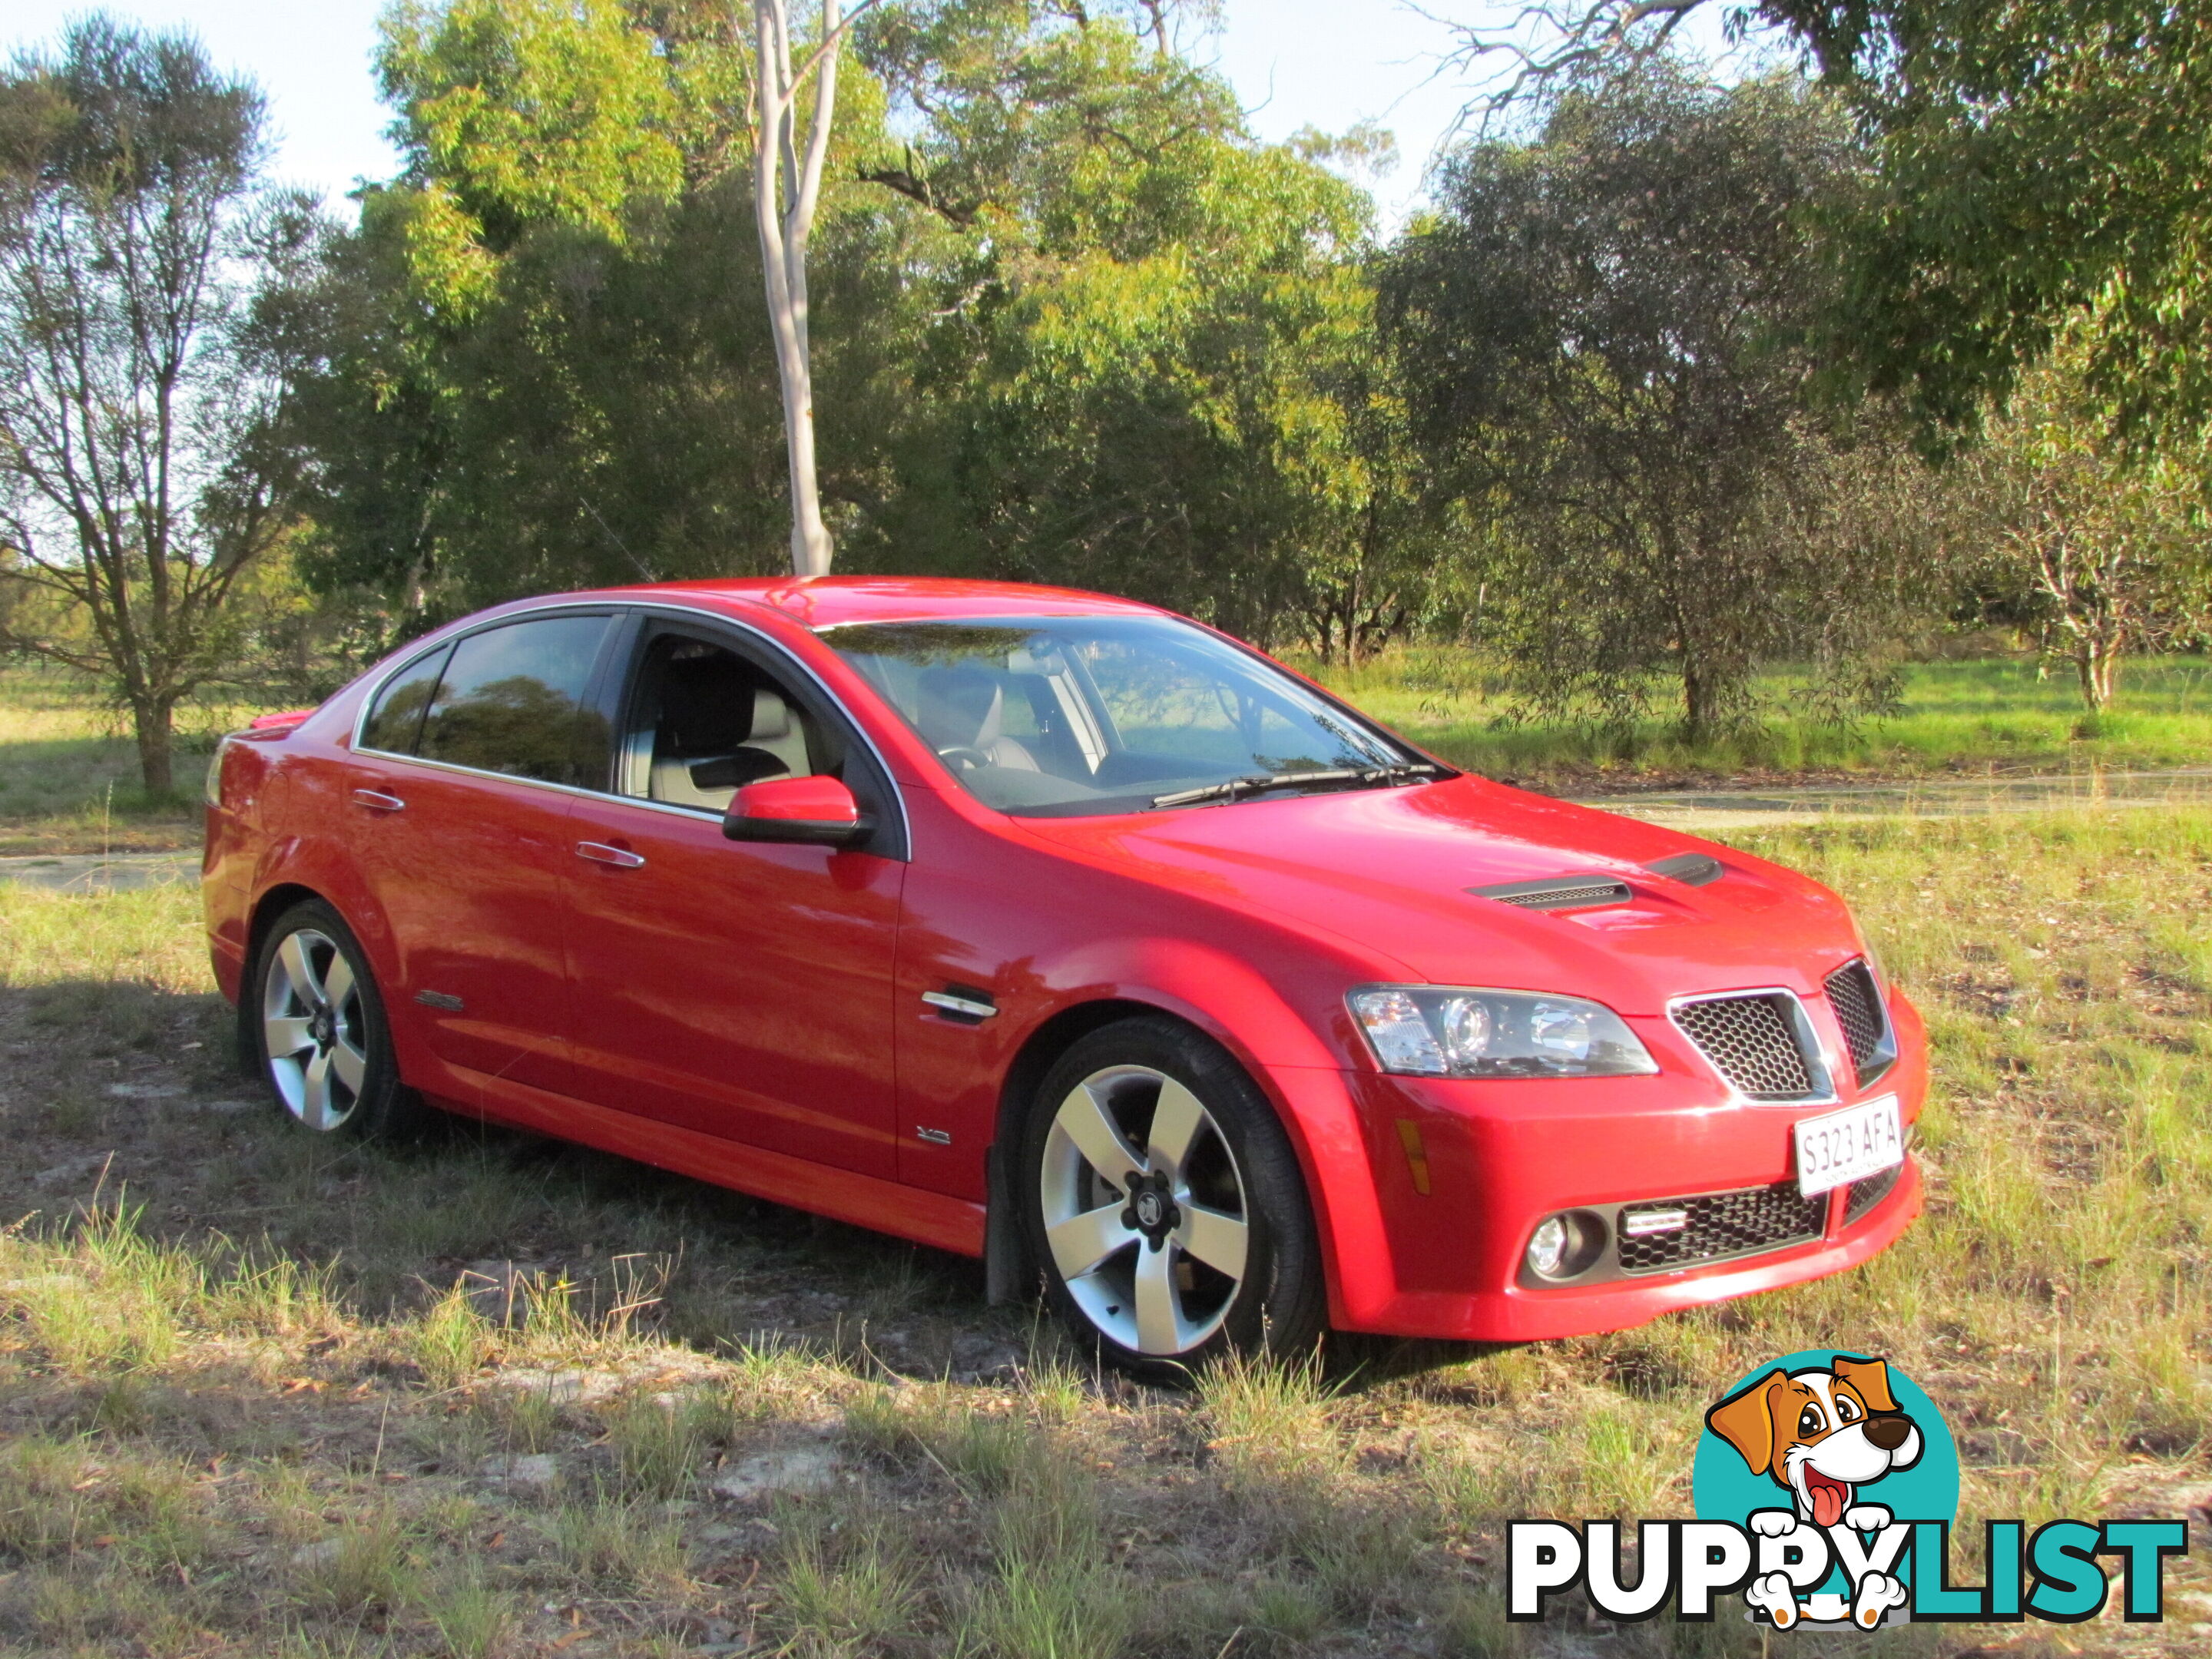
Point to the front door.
(461, 833)
(737, 988)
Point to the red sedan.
(1061, 931)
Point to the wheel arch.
(267, 907)
(1339, 1184)
(1009, 1274)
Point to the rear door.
(466, 769)
(741, 989)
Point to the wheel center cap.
(1152, 1211)
(323, 1028)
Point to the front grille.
(1866, 1194)
(1752, 1041)
(1858, 1008)
(1723, 1225)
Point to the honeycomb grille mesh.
(1752, 1041)
(1851, 993)
(1724, 1223)
(1867, 1193)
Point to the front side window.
(511, 700)
(706, 721)
(1065, 716)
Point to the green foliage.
(2031, 163)
(2093, 554)
(1602, 336)
(517, 112)
(2033, 160)
(548, 362)
(1073, 324)
(1156, 373)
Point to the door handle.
(377, 801)
(599, 852)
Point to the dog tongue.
(1827, 1502)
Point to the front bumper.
(1457, 1174)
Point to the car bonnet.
(1392, 869)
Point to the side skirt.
(943, 1222)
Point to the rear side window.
(511, 700)
(396, 720)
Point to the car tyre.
(1164, 1206)
(319, 1032)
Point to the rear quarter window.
(396, 721)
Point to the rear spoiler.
(278, 725)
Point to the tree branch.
(917, 189)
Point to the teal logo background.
(1723, 1488)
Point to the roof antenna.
(615, 539)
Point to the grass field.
(492, 1396)
(68, 774)
(1991, 716)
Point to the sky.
(1325, 63)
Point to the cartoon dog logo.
(1823, 1435)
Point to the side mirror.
(817, 811)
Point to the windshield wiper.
(1258, 783)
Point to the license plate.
(1848, 1146)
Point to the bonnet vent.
(1691, 869)
(1587, 892)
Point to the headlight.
(1432, 1031)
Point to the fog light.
(1548, 1249)
(1565, 1246)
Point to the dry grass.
(493, 1397)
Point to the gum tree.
(2097, 556)
(787, 190)
(1601, 337)
(146, 348)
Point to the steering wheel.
(961, 755)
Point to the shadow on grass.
(118, 1083)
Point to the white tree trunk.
(786, 185)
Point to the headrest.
(958, 707)
(771, 716)
(706, 704)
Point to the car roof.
(828, 601)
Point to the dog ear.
(1870, 1378)
(1745, 1421)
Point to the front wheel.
(326, 1050)
(1165, 1205)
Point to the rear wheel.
(325, 1049)
(1164, 1204)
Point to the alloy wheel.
(314, 1030)
(1144, 1210)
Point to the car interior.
(1027, 722)
(706, 722)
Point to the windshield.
(1063, 716)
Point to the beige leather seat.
(963, 711)
(719, 730)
